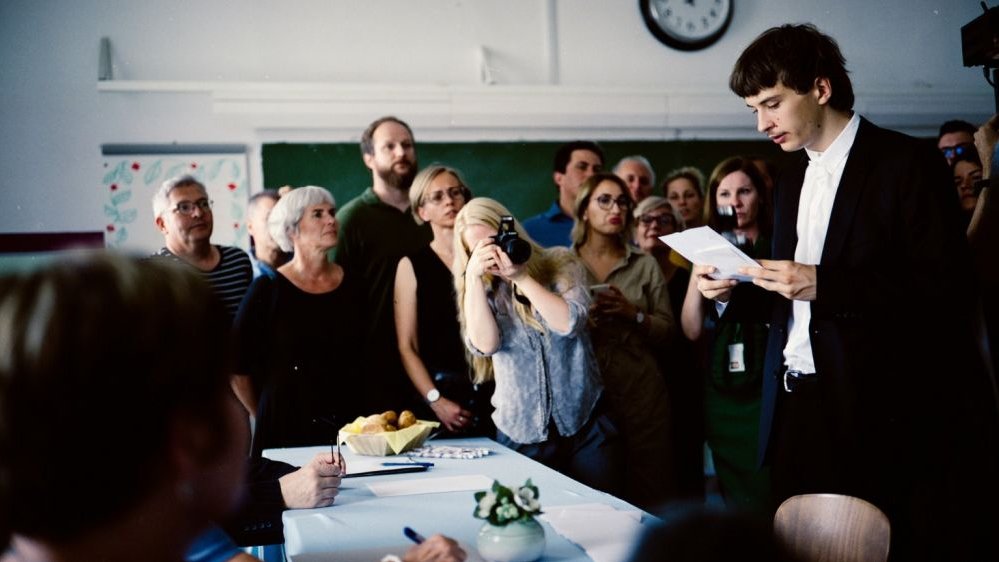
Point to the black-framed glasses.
(606, 201)
(661, 220)
(187, 208)
(956, 150)
(454, 193)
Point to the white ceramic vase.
(519, 541)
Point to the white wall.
(253, 71)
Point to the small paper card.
(702, 245)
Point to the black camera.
(512, 244)
(980, 39)
(727, 223)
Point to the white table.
(363, 526)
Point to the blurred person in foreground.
(161, 436)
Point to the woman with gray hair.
(296, 365)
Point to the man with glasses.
(955, 138)
(574, 163)
(376, 229)
(183, 213)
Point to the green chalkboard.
(518, 174)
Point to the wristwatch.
(640, 317)
(433, 395)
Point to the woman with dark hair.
(966, 169)
(734, 366)
(631, 320)
(426, 317)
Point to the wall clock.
(687, 25)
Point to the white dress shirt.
(818, 192)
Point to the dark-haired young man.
(956, 137)
(872, 377)
(574, 163)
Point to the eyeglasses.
(957, 150)
(661, 220)
(454, 193)
(605, 202)
(186, 208)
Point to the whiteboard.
(130, 181)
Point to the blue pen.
(413, 535)
(426, 464)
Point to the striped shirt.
(230, 278)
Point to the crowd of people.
(576, 337)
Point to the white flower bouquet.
(501, 505)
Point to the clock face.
(687, 25)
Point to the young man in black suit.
(874, 386)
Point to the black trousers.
(937, 483)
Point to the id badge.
(736, 361)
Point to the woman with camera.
(734, 366)
(631, 320)
(523, 312)
(426, 317)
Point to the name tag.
(736, 361)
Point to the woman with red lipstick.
(297, 347)
(631, 319)
(734, 364)
(426, 315)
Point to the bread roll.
(406, 419)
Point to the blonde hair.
(544, 266)
(422, 182)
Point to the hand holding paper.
(792, 280)
(702, 245)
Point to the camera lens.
(518, 250)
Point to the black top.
(439, 334)
(301, 351)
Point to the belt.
(794, 380)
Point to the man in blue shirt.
(574, 163)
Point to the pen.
(413, 535)
(427, 464)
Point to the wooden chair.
(833, 528)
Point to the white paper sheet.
(605, 533)
(702, 245)
(474, 482)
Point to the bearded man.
(376, 230)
